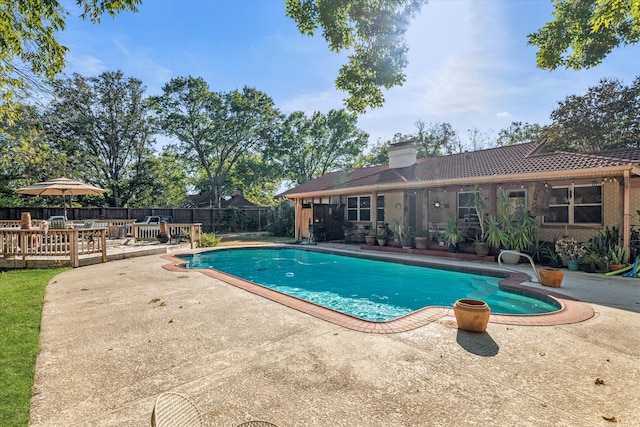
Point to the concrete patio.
(117, 334)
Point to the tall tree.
(258, 178)
(102, 123)
(25, 156)
(478, 140)
(519, 132)
(584, 32)
(376, 155)
(312, 146)
(606, 117)
(435, 139)
(215, 129)
(373, 34)
(29, 51)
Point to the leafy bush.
(209, 240)
(281, 220)
(235, 219)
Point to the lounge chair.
(256, 424)
(175, 410)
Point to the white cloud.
(86, 65)
(503, 115)
(310, 102)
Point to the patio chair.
(57, 224)
(175, 410)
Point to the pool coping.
(571, 311)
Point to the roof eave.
(494, 179)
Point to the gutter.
(629, 169)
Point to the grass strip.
(21, 299)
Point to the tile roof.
(526, 158)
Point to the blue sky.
(469, 63)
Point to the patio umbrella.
(60, 187)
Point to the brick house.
(569, 193)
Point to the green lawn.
(21, 299)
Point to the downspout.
(626, 221)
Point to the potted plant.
(570, 249)
(408, 237)
(382, 236)
(590, 261)
(617, 257)
(478, 203)
(453, 234)
(512, 231)
(371, 237)
(397, 233)
(550, 253)
(494, 235)
(422, 239)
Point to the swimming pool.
(371, 290)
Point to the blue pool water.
(368, 289)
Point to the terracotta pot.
(550, 277)
(422, 242)
(371, 240)
(25, 221)
(472, 314)
(482, 248)
(615, 267)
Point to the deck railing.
(177, 232)
(68, 245)
(112, 225)
(65, 244)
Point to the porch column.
(626, 221)
(374, 210)
(298, 218)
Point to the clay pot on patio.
(25, 221)
(615, 267)
(550, 277)
(482, 248)
(421, 242)
(163, 235)
(371, 240)
(472, 314)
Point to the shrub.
(209, 240)
(281, 220)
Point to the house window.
(517, 200)
(380, 209)
(577, 205)
(466, 210)
(359, 208)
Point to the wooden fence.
(212, 220)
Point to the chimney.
(402, 154)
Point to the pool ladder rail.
(533, 265)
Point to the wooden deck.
(74, 247)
